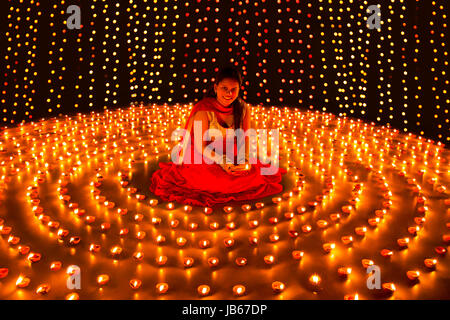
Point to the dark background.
(281, 48)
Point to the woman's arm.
(199, 144)
(241, 169)
(245, 127)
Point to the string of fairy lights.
(111, 62)
(294, 62)
(168, 51)
(92, 51)
(339, 66)
(151, 42)
(8, 71)
(417, 81)
(363, 48)
(288, 74)
(155, 67)
(290, 60)
(238, 27)
(79, 58)
(21, 37)
(393, 68)
(262, 23)
(312, 88)
(323, 56)
(195, 37)
(56, 64)
(31, 75)
(172, 35)
(404, 64)
(354, 74)
(385, 58)
(132, 48)
(333, 20)
(168, 25)
(439, 66)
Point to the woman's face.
(227, 91)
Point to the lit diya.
(413, 275)
(174, 223)
(135, 284)
(274, 237)
(361, 231)
(103, 279)
(229, 242)
(170, 206)
(278, 286)
(328, 247)
(344, 271)
(239, 290)
(162, 288)
(297, 254)
(161, 260)
(228, 209)
(203, 244)
(188, 262)
(389, 287)
(269, 259)
(22, 282)
(72, 296)
(213, 262)
(181, 241)
(253, 240)
(139, 255)
(347, 239)
(253, 224)
(203, 290)
(277, 200)
(240, 261)
(301, 209)
(43, 289)
(430, 263)
(386, 253)
(315, 281)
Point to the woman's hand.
(240, 169)
(226, 167)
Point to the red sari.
(208, 184)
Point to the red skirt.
(208, 184)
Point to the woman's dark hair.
(230, 72)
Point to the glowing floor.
(75, 192)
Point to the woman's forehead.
(229, 83)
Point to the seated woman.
(216, 179)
